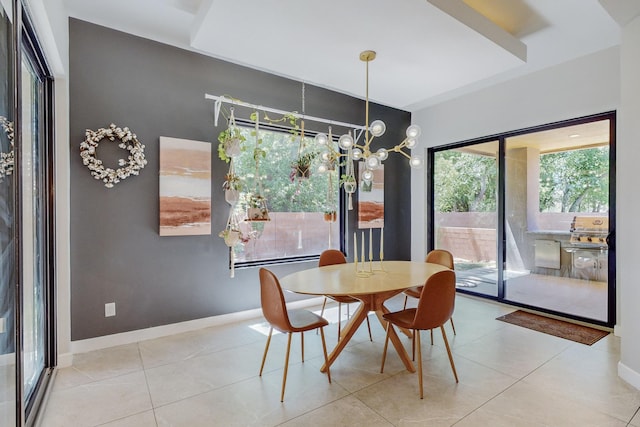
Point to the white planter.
(232, 238)
(232, 147)
(232, 196)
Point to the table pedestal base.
(373, 302)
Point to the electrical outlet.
(2, 325)
(110, 309)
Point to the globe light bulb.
(356, 154)
(377, 128)
(322, 167)
(413, 131)
(367, 175)
(382, 154)
(415, 162)
(325, 156)
(373, 162)
(346, 141)
(322, 139)
(411, 142)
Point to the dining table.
(372, 283)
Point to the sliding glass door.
(7, 223)
(465, 215)
(27, 256)
(529, 218)
(557, 219)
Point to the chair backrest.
(437, 301)
(440, 256)
(331, 257)
(274, 308)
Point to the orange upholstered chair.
(286, 321)
(436, 256)
(331, 257)
(435, 308)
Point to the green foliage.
(575, 181)
(226, 137)
(465, 182)
(282, 194)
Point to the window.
(298, 226)
(575, 181)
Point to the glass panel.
(557, 181)
(297, 199)
(7, 277)
(465, 213)
(33, 242)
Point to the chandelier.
(362, 151)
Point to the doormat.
(558, 328)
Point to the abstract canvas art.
(371, 199)
(185, 187)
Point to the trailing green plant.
(226, 137)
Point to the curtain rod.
(220, 99)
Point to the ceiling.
(427, 50)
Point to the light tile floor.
(509, 376)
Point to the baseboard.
(629, 375)
(617, 330)
(99, 343)
(65, 360)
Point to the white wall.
(628, 208)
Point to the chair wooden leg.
(326, 357)
(417, 333)
(266, 349)
(302, 345)
(286, 368)
(406, 297)
(453, 326)
(339, 319)
(386, 344)
(324, 303)
(369, 327)
(413, 347)
(446, 343)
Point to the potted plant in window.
(232, 187)
(330, 215)
(301, 167)
(257, 208)
(230, 143)
(349, 183)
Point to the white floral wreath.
(128, 141)
(6, 159)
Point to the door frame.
(500, 231)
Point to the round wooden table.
(373, 290)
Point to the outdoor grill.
(589, 232)
(588, 247)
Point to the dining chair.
(435, 308)
(436, 256)
(331, 257)
(286, 321)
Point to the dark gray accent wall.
(158, 90)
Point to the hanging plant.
(301, 167)
(230, 140)
(330, 216)
(230, 145)
(349, 183)
(257, 208)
